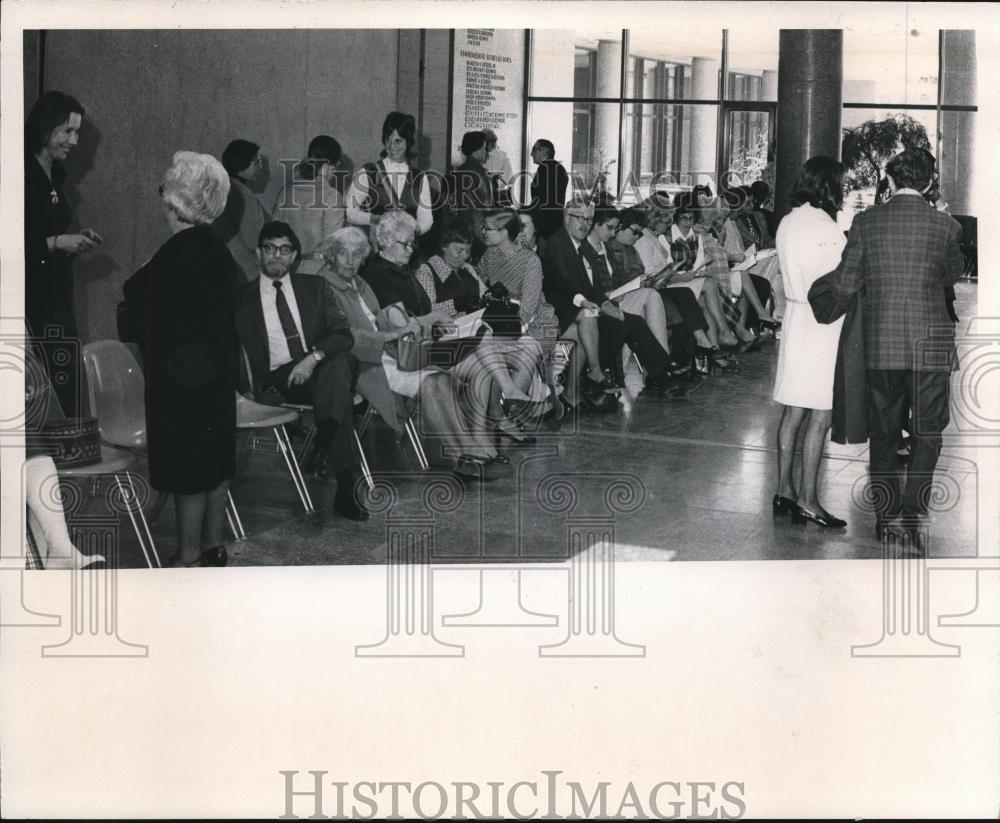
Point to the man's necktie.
(602, 274)
(587, 270)
(295, 347)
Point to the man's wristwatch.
(317, 355)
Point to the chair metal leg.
(308, 444)
(142, 519)
(365, 470)
(233, 516)
(362, 427)
(418, 447)
(138, 519)
(285, 445)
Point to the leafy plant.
(748, 157)
(867, 148)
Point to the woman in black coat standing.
(51, 132)
(180, 307)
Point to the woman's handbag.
(70, 441)
(413, 353)
(501, 313)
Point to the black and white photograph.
(589, 412)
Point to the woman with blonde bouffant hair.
(179, 308)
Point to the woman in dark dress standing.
(180, 307)
(51, 131)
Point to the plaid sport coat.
(903, 254)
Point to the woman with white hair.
(179, 308)
(357, 302)
(451, 407)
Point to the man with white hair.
(574, 271)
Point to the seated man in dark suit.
(573, 273)
(297, 342)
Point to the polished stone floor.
(686, 480)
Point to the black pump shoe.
(783, 505)
(824, 519)
(215, 556)
(346, 502)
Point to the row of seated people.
(496, 387)
(317, 339)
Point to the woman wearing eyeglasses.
(513, 361)
(392, 281)
(180, 308)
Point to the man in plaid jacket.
(904, 254)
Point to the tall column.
(958, 128)
(769, 91)
(704, 119)
(609, 78)
(810, 96)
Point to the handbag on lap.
(414, 352)
(501, 313)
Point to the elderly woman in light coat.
(347, 251)
(466, 448)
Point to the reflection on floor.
(688, 480)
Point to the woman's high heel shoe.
(518, 438)
(521, 411)
(702, 362)
(773, 325)
(783, 505)
(824, 518)
(77, 560)
(726, 363)
(215, 556)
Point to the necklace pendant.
(54, 195)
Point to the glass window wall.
(663, 129)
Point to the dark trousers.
(634, 331)
(687, 305)
(763, 288)
(682, 342)
(891, 393)
(330, 391)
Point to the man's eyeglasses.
(284, 249)
(582, 218)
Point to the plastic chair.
(116, 390)
(251, 416)
(118, 462)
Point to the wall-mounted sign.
(488, 88)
